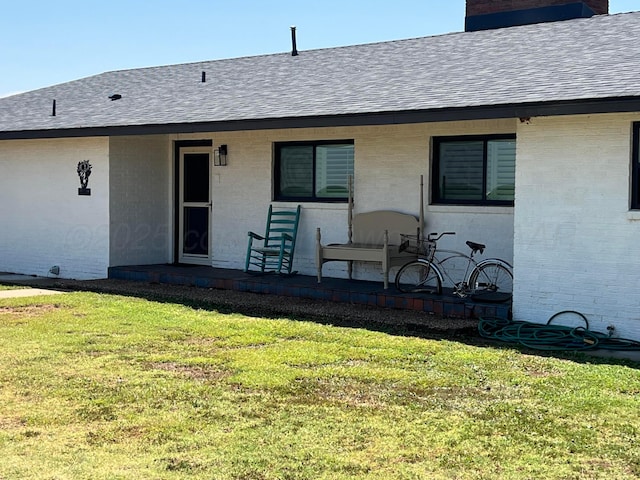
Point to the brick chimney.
(488, 14)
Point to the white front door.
(195, 206)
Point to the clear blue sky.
(45, 42)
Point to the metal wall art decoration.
(84, 170)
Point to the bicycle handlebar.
(434, 237)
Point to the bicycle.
(488, 280)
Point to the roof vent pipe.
(294, 48)
(204, 77)
(53, 108)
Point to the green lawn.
(108, 387)
(11, 287)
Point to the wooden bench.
(373, 237)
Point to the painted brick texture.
(140, 200)
(575, 238)
(483, 7)
(43, 220)
(388, 164)
(130, 218)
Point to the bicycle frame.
(460, 288)
(445, 266)
(439, 261)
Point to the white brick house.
(564, 92)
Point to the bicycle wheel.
(491, 282)
(418, 276)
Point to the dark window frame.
(635, 168)
(277, 148)
(436, 198)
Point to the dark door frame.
(179, 144)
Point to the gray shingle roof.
(582, 59)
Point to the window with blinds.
(313, 171)
(474, 170)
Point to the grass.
(110, 387)
(12, 287)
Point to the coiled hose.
(552, 337)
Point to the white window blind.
(334, 164)
(501, 169)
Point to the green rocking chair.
(273, 252)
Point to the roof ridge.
(366, 44)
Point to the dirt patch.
(7, 423)
(207, 373)
(28, 311)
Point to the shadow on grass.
(392, 322)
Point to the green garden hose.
(551, 337)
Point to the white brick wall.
(389, 161)
(43, 220)
(140, 202)
(575, 238)
(135, 190)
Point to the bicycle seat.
(476, 247)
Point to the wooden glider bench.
(373, 237)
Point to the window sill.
(479, 209)
(633, 215)
(312, 205)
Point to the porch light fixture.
(220, 156)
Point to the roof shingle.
(582, 59)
